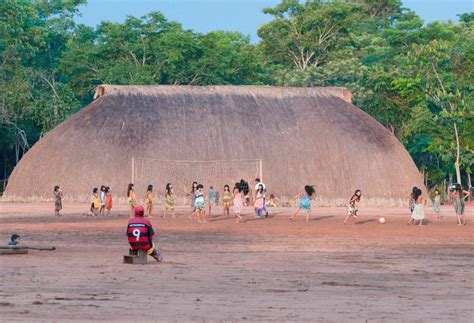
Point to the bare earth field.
(269, 269)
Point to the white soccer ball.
(382, 220)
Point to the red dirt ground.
(269, 269)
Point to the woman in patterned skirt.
(459, 196)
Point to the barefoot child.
(238, 203)
(418, 213)
(257, 184)
(226, 199)
(459, 196)
(200, 204)
(170, 200)
(353, 208)
(108, 200)
(192, 194)
(411, 199)
(149, 201)
(304, 201)
(132, 200)
(58, 196)
(259, 201)
(95, 202)
(102, 200)
(272, 201)
(437, 204)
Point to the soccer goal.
(181, 173)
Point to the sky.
(236, 15)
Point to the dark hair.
(56, 188)
(458, 188)
(257, 179)
(15, 237)
(199, 186)
(238, 188)
(94, 190)
(260, 188)
(309, 190)
(130, 187)
(211, 188)
(150, 188)
(102, 188)
(168, 189)
(226, 186)
(107, 189)
(244, 186)
(355, 194)
(272, 196)
(192, 186)
(417, 194)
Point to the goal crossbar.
(245, 167)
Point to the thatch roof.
(303, 135)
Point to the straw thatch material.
(303, 135)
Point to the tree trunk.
(456, 163)
(469, 183)
(449, 186)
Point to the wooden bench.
(135, 257)
(13, 251)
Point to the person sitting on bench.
(140, 234)
(14, 240)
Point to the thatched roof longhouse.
(303, 136)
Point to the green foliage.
(415, 79)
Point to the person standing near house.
(58, 197)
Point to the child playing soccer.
(304, 201)
(192, 194)
(102, 199)
(437, 204)
(200, 204)
(149, 201)
(108, 200)
(58, 196)
(95, 202)
(418, 212)
(257, 184)
(411, 199)
(353, 208)
(238, 203)
(170, 200)
(132, 200)
(459, 196)
(226, 199)
(272, 202)
(259, 201)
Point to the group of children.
(101, 201)
(170, 200)
(417, 203)
(237, 199)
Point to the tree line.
(414, 78)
